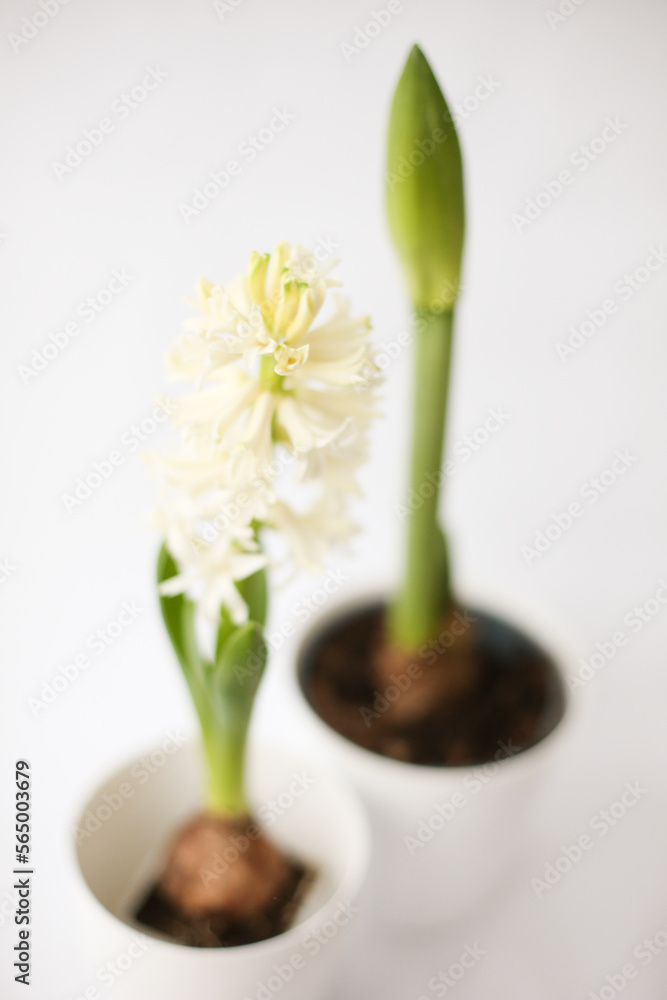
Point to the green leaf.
(225, 629)
(254, 592)
(238, 671)
(178, 613)
(172, 607)
(233, 683)
(424, 177)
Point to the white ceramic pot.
(445, 838)
(131, 818)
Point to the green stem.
(224, 751)
(270, 378)
(232, 687)
(426, 593)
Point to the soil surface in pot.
(224, 884)
(480, 692)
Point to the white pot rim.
(550, 639)
(347, 888)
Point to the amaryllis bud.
(424, 181)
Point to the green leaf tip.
(424, 187)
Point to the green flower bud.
(425, 187)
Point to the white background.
(322, 178)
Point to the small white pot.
(445, 838)
(133, 816)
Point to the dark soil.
(221, 932)
(205, 901)
(483, 697)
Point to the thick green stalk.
(224, 752)
(426, 213)
(426, 594)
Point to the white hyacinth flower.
(273, 376)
